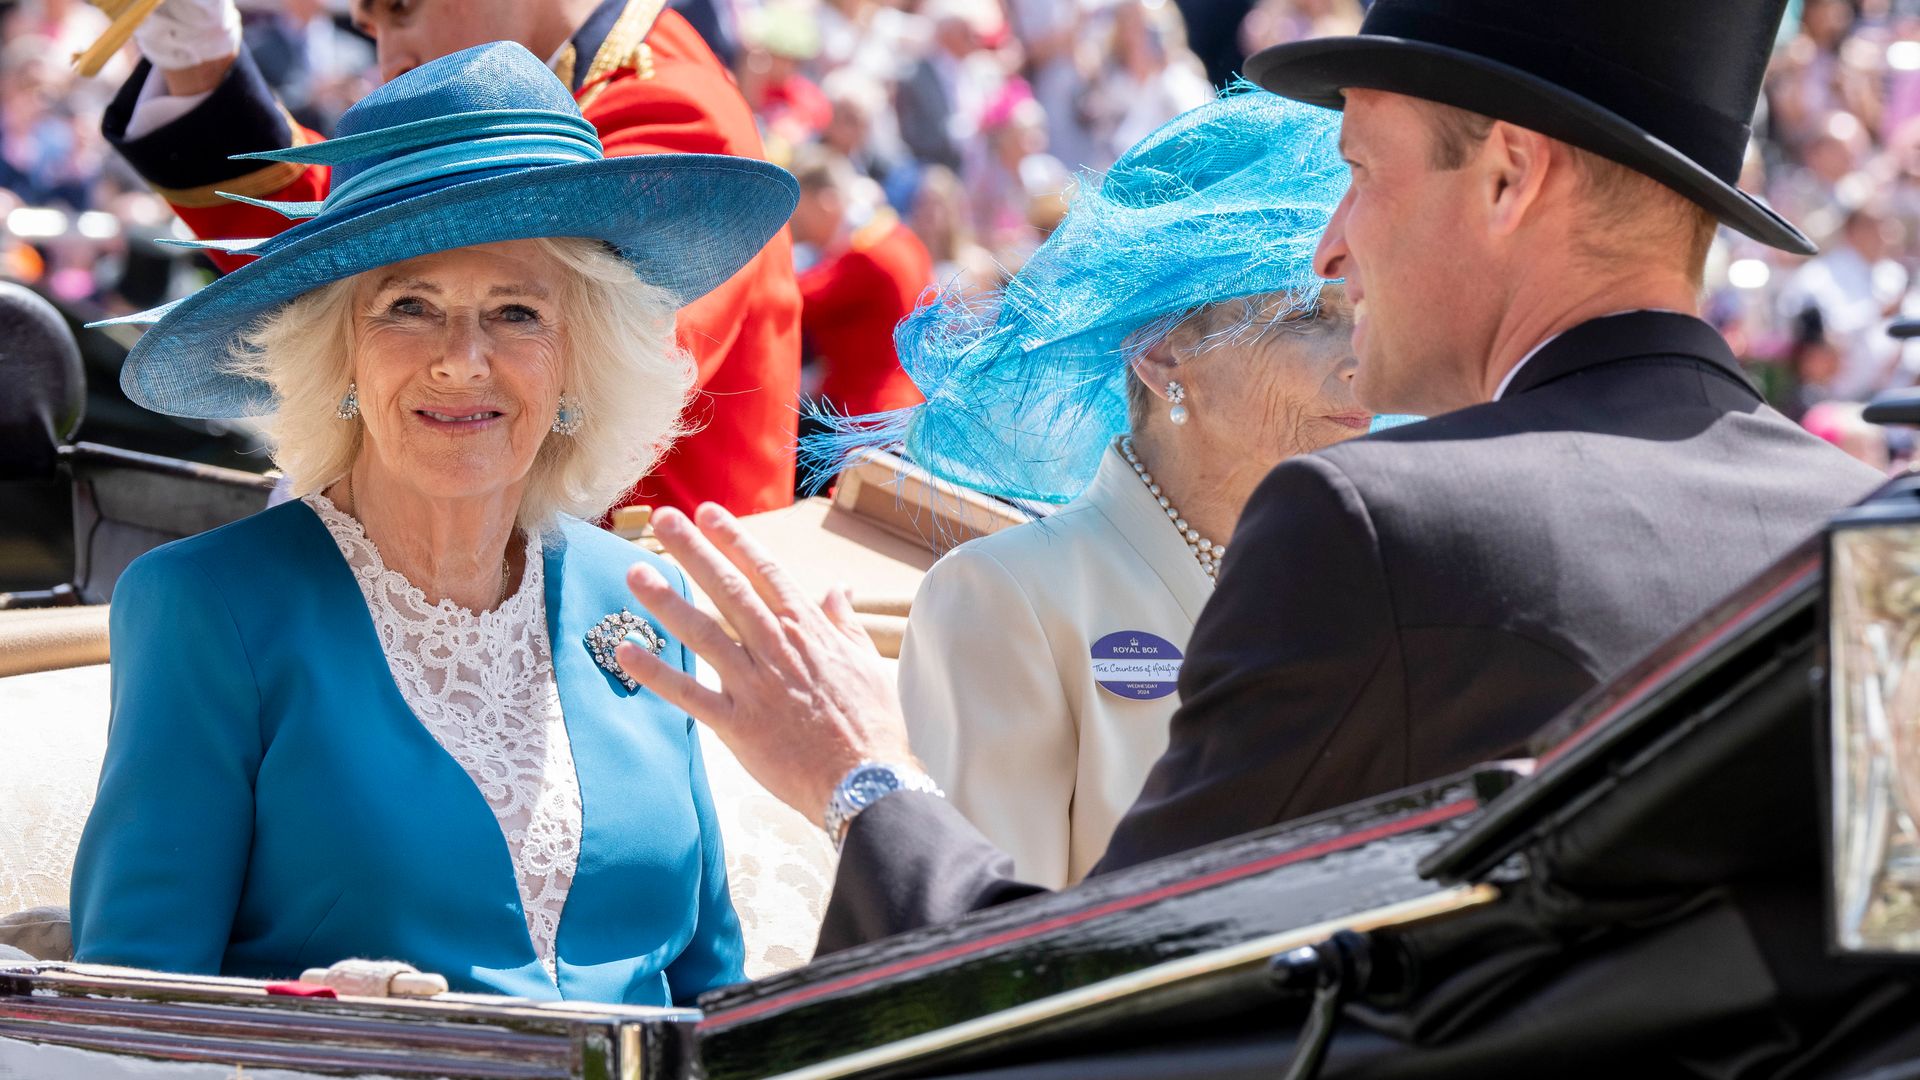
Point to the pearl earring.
(349, 405)
(567, 418)
(1176, 395)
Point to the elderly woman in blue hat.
(1167, 347)
(382, 719)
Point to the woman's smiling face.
(459, 358)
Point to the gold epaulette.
(625, 47)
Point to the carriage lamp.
(1873, 598)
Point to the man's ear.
(1517, 163)
(1155, 366)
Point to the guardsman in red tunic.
(868, 277)
(644, 79)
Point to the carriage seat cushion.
(41, 933)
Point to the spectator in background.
(1840, 423)
(1276, 22)
(311, 62)
(942, 94)
(780, 39)
(869, 273)
(1149, 78)
(943, 221)
(1050, 32)
(856, 104)
(1812, 362)
(1814, 77)
(1013, 171)
(1826, 176)
(1855, 288)
(68, 26)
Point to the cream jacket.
(997, 671)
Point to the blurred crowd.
(942, 141)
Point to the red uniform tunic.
(851, 301)
(667, 93)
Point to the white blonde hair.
(631, 381)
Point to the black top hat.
(1666, 87)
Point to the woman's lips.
(458, 421)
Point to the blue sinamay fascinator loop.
(479, 146)
(1026, 388)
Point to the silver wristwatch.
(866, 784)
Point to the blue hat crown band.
(451, 122)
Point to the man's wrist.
(868, 783)
(198, 79)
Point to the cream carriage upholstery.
(53, 727)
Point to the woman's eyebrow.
(529, 288)
(395, 281)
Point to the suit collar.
(1626, 336)
(1136, 515)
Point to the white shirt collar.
(1501, 390)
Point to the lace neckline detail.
(482, 684)
(346, 528)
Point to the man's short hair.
(1629, 209)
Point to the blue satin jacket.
(269, 803)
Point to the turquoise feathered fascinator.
(1025, 388)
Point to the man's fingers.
(723, 584)
(839, 608)
(693, 627)
(675, 687)
(768, 578)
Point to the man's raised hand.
(804, 696)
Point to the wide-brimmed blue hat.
(1025, 389)
(480, 146)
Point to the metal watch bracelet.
(866, 784)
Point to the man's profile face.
(408, 33)
(1401, 238)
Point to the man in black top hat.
(1535, 186)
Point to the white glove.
(187, 33)
(376, 978)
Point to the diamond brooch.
(608, 633)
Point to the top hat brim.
(684, 222)
(1316, 71)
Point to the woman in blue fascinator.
(382, 719)
(1167, 347)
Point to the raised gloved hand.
(183, 34)
(376, 978)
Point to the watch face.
(870, 783)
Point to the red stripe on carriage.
(801, 996)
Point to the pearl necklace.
(1206, 551)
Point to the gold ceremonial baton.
(126, 15)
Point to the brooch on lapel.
(608, 633)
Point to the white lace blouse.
(483, 686)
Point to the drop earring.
(567, 418)
(349, 405)
(1176, 396)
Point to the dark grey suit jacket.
(1400, 607)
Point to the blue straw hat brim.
(684, 222)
